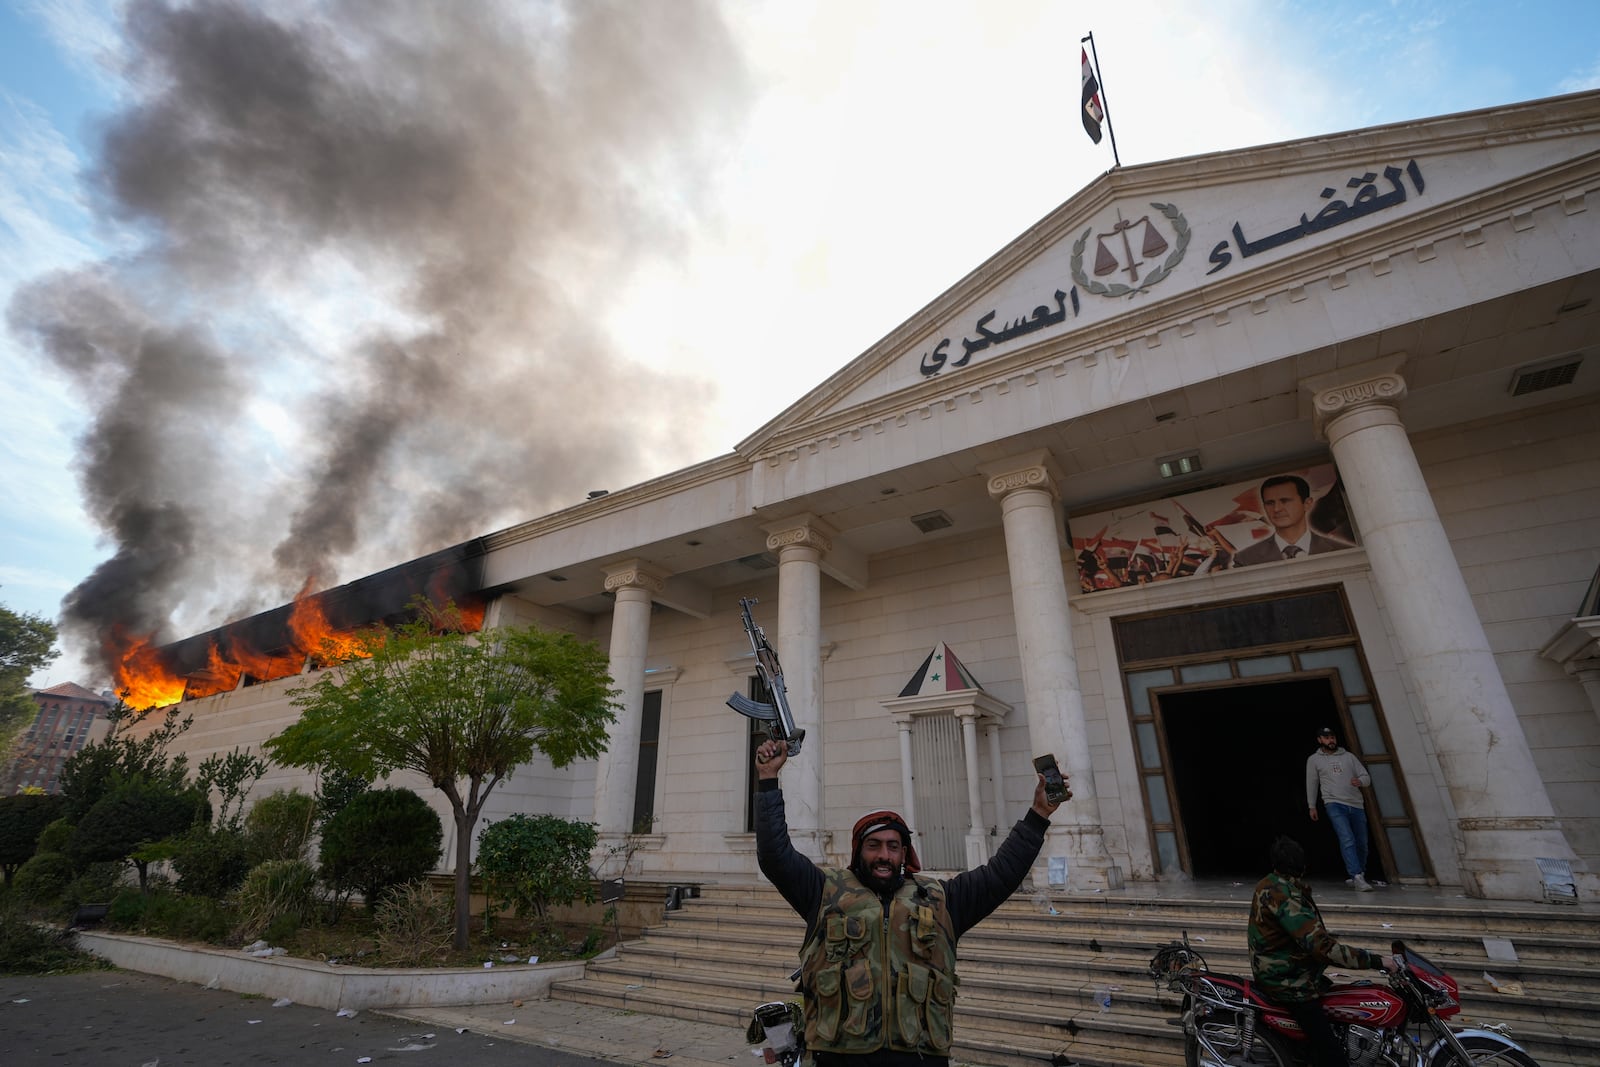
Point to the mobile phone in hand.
(1055, 790)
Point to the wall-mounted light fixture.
(1179, 465)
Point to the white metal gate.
(939, 786)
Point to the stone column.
(617, 771)
(977, 838)
(907, 783)
(800, 543)
(1504, 819)
(997, 776)
(1025, 486)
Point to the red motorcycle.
(1228, 1023)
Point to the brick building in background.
(68, 715)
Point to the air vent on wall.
(1548, 375)
(930, 521)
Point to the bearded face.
(879, 863)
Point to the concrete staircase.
(1035, 973)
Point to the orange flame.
(140, 678)
(145, 681)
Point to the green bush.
(381, 839)
(41, 880)
(274, 892)
(532, 862)
(29, 948)
(211, 862)
(279, 826)
(127, 910)
(415, 923)
(54, 837)
(282, 929)
(95, 884)
(22, 818)
(133, 815)
(186, 918)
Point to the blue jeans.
(1350, 824)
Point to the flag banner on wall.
(940, 672)
(1283, 517)
(1093, 113)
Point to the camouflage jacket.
(967, 898)
(1289, 946)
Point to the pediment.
(1144, 245)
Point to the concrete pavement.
(601, 1033)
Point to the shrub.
(415, 923)
(28, 948)
(531, 862)
(22, 818)
(382, 838)
(41, 880)
(279, 826)
(95, 884)
(211, 862)
(132, 815)
(273, 892)
(54, 837)
(127, 910)
(185, 918)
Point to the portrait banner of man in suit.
(1287, 515)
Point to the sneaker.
(1359, 884)
(1351, 882)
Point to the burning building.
(1323, 454)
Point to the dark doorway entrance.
(1237, 762)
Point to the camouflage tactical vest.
(879, 977)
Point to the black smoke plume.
(472, 181)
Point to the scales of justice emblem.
(1114, 252)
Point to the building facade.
(1221, 452)
(69, 717)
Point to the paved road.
(124, 1019)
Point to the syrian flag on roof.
(1093, 112)
(941, 672)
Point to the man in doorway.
(1340, 778)
(877, 968)
(1286, 503)
(1290, 948)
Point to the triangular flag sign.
(940, 672)
(1093, 113)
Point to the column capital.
(805, 529)
(1348, 389)
(635, 573)
(1030, 470)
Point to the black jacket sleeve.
(794, 876)
(975, 893)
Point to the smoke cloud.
(363, 316)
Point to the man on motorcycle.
(878, 964)
(1290, 948)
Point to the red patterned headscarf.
(874, 821)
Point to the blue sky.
(875, 153)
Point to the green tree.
(22, 817)
(459, 709)
(27, 644)
(96, 768)
(127, 823)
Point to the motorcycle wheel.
(1484, 1052)
(1223, 1033)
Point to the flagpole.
(1105, 99)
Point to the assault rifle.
(777, 713)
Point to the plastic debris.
(20, 1000)
(461, 1029)
(251, 1022)
(533, 959)
(1102, 997)
(282, 1002)
(345, 1013)
(363, 1059)
(509, 1022)
(488, 964)
(1509, 987)
(1387, 926)
(411, 1046)
(511, 958)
